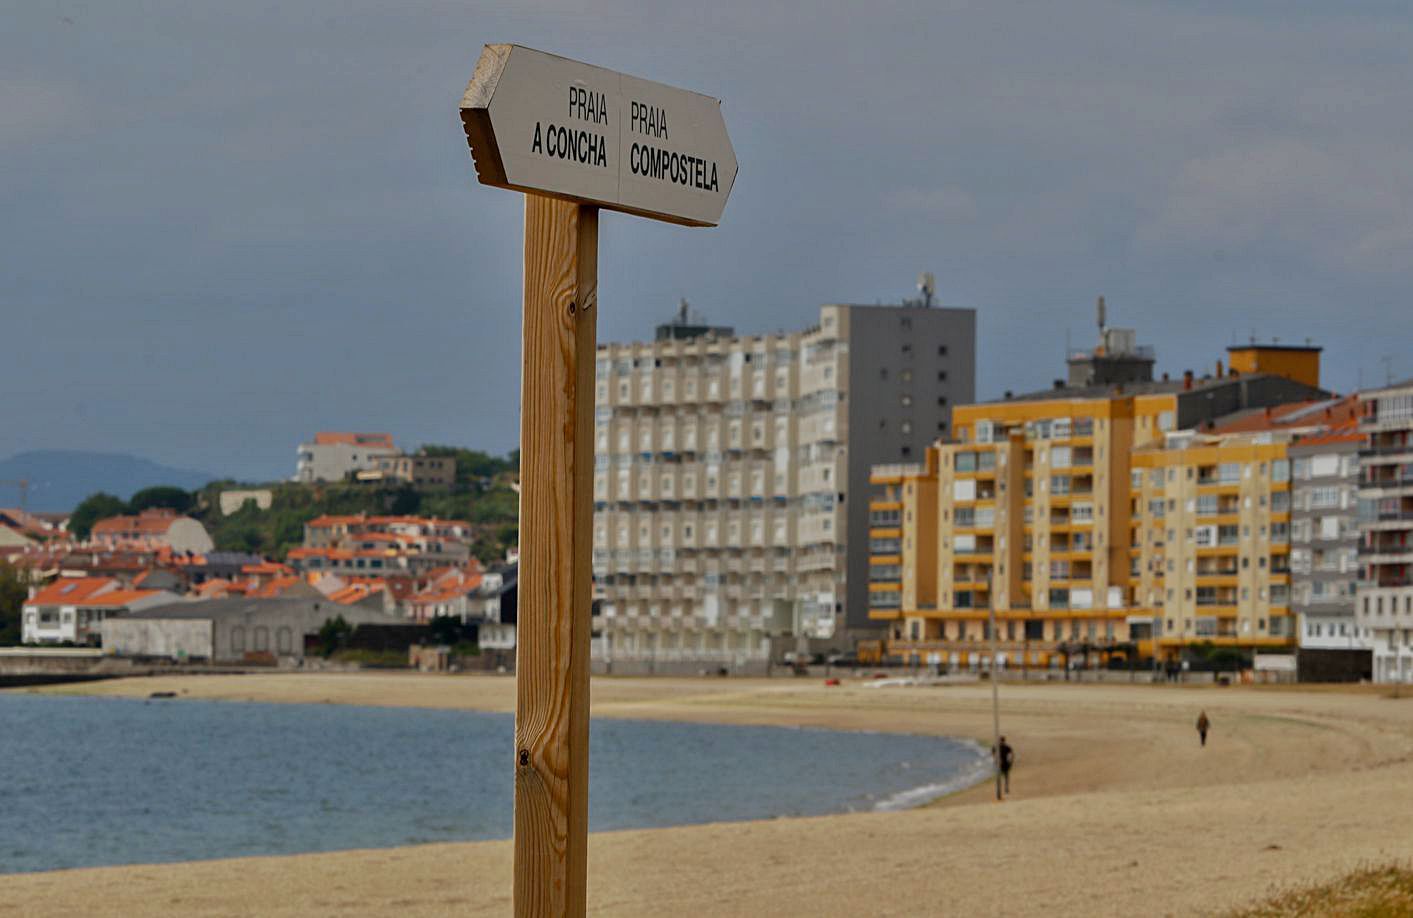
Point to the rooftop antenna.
(1103, 317)
(927, 286)
(682, 311)
(1388, 369)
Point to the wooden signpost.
(574, 138)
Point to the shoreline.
(1115, 808)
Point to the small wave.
(974, 773)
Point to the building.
(363, 545)
(448, 594)
(155, 528)
(72, 609)
(1210, 544)
(1385, 591)
(493, 608)
(731, 475)
(1076, 512)
(20, 529)
(1324, 548)
(234, 630)
(336, 456)
(421, 471)
(235, 500)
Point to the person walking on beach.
(1203, 725)
(1005, 758)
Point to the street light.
(995, 689)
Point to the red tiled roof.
(117, 598)
(276, 587)
(25, 522)
(327, 520)
(442, 593)
(333, 437)
(213, 588)
(71, 590)
(1326, 414)
(148, 522)
(273, 568)
(355, 592)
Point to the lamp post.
(995, 689)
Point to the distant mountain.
(59, 479)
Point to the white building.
(73, 609)
(1385, 590)
(1324, 544)
(334, 456)
(494, 606)
(731, 476)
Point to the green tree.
(14, 590)
(333, 634)
(163, 497)
(446, 629)
(95, 507)
(472, 465)
(406, 501)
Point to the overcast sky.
(228, 225)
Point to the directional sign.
(547, 125)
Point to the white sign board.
(548, 125)
(1274, 662)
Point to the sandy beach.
(1115, 809)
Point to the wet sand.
(1115, 809)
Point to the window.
(1324, 498)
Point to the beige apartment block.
(724, 471)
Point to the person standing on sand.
(1203, 725)
(1006, 757)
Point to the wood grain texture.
(556, 507)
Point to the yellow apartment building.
(1047, 506)
(1210, 543)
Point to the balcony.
(1397, 555)
(1388, 583)
(1380, 450)
(894, 472)
(1371, 479)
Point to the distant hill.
(59, 479)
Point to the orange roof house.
(152, 529)
(74, 608)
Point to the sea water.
(94, 781)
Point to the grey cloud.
(230, 224)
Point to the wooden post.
(556, 507)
